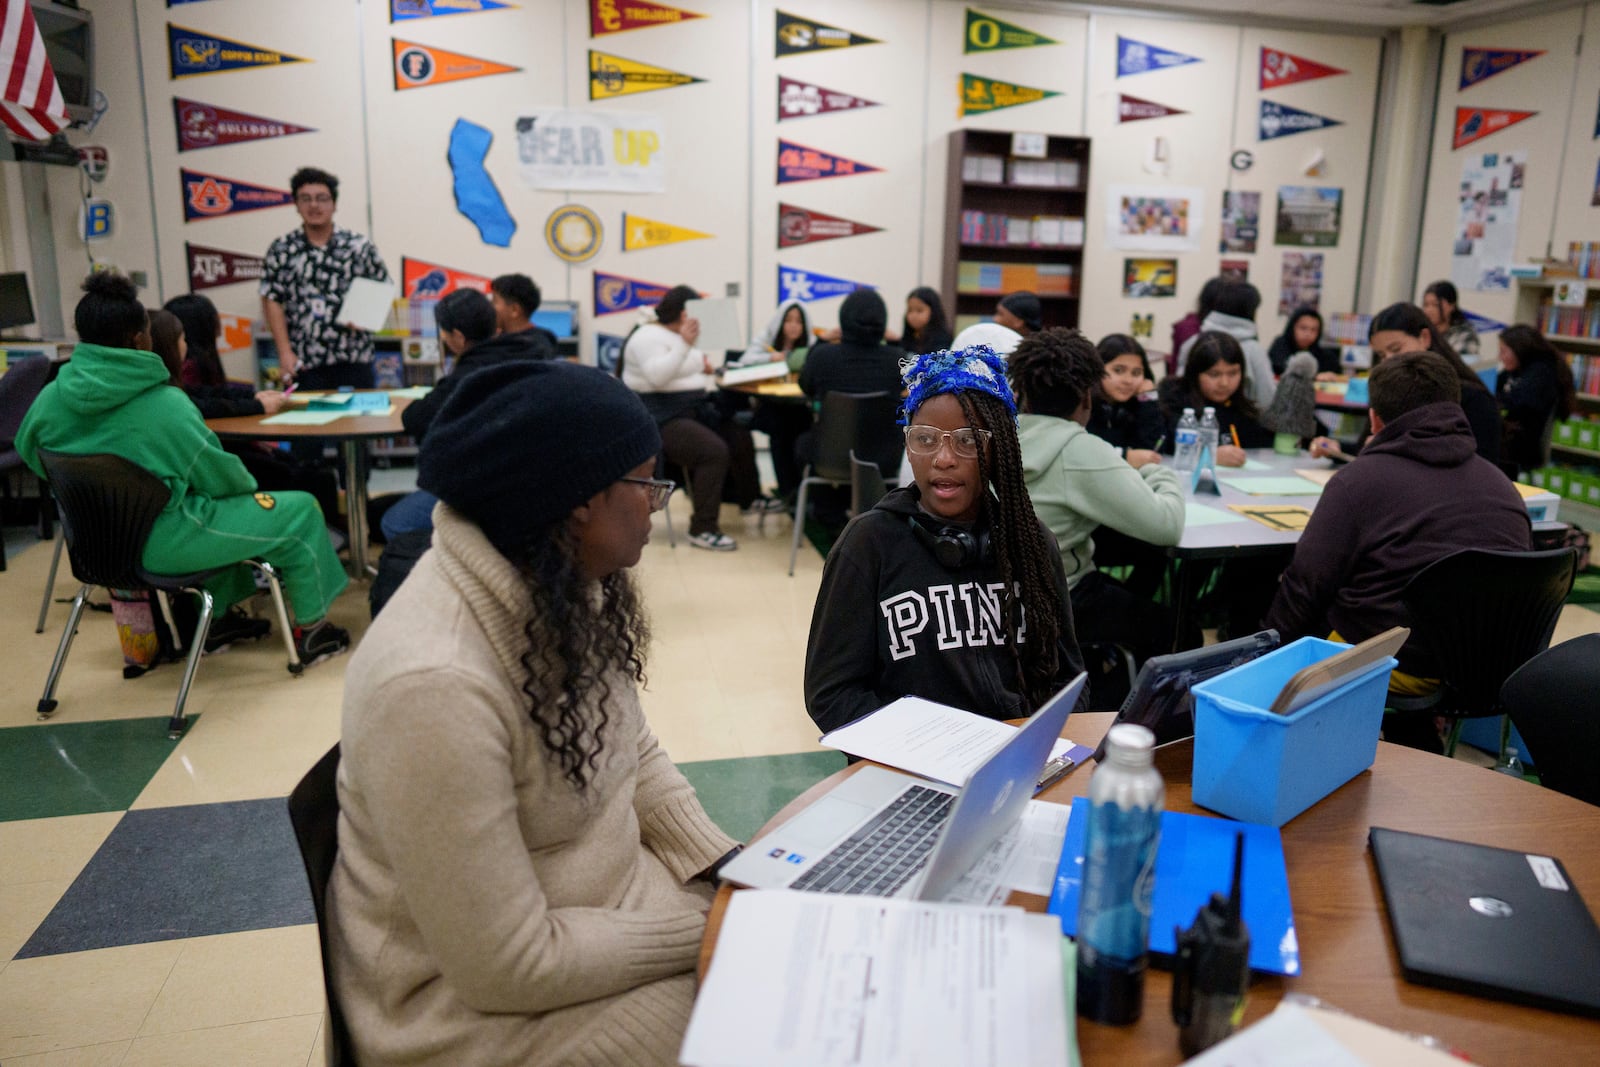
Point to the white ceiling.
(1373, 13)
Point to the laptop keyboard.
(882, 856)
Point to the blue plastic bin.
(1253, 765)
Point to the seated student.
(662, 365)
(523, 876)
(1234, 313)
(1417, 493)
(1189, 325)
(924, 328)
(1126, 413)
(1302, 333)
(1441, 303)
(114, 396)
(1214, 376)
(1078, 482)
(858, 363)
(515, 299)
(787, 337)
(1533, 387)
(950, 588)
(1020, 311)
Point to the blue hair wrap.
(968, 370)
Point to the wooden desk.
(785, 390)
(351, 431)
(1346, 954)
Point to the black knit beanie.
(519, 445)
(1025, 306)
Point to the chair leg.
(672, 537)
(50, 582)
(176, 725)
(1454, 736)
(47, 703)
(799, 518)
(275, 584)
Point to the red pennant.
(418, 277)
(1132, 109)
(204, 126)
(1476, 123)
(1284, 68)
(798, 100)
(211, 267)
(619, 16)
(801, 226)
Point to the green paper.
(1280, 486)
(414, 392)
(304, 418)
(1069, 983)
(1255, 465)
(1200, 515)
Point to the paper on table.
(1297, 1036)
(1279, 486)
(367, 304)
(413, 392)
(780, 389)
(1320, 475)
(1255, 465)
(1528, 490)
(1275, 516)
(821, 980)
(1024, 858)
(1200, 515)
(304, 418)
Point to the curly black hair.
(575, 641)
(1054, 371)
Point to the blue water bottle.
(1126, 796)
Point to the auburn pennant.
(210, 196)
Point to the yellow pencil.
(1235, 431)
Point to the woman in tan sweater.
(523, 875)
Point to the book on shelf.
(1046, 279)
(1036, 231)
(1585, 257)
(981, 168)
(1045, 173)
(1570, 321)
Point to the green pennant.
(985, 94)
(985, 33)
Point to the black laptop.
(1488, 921)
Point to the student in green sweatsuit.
(114, 397)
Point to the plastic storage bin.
(1253, 765)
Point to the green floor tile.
(740, 795)
(81, 767)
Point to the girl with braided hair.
(949, 589)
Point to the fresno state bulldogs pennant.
(204, 126)
(1284, 68)
(210, 196)
(1476, 123)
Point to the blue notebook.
(1195, 860)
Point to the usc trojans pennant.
(620, 16)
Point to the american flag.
(30, 99)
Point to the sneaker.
(766, 505)
(234, 625)
(320, 641)
(715, 542)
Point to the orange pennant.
(418, 65)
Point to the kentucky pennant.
(1132, 109)
(417, 65)
(1283, 68)
(1136, 57)
(211, 267)
(207, 196)
(402, 10)
(985, 33)
(797, 163)
(204, 126)
(806, 286)
(639, 233)
(613, 293)
(418, 277)
(619, 16)
(611, 76)
(979, 95)
(797, 35)
(191, 53)
(801, 226)
(1476, 123)
(1479, 64)
(1281, 120)
(1483, 323)
(798, 100)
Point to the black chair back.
(19, 387)
(108, 506)
(314, 813)
(859, 422)
(1551, 700)
(1479, 615)
(867, 486)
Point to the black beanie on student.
(1025, 306)
(519, 445)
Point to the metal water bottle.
(1126, 797)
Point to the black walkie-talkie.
(1212, 969)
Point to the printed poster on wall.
(211, 267)
(1308, 215)
(1480, 64)
(418, 65)
(985, 33)
(1301, 284)
(204, 126)
(418, 277)
(1285, 68)
(1149, 277)
(806, 285)
(980, 95)
(612, 76)
(799, 100)
(1241, 221)
(1486, 228)
(614, 293)
(797, 163)
(210, 196)
(802, 226)
(191, 53)
(1476, 123)
(1136, 57)
(796, 35)
(598, 151)
(1154, 218)
(620, 16)
(1234, 270)
(402, 10)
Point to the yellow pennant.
(611, 76)
(985, 94)
(640, 233)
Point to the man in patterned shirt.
(303, 284)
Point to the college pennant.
(1136, 57)
(613, 293)
(1133, 109)
(985, 33)
(418, 65)
(1480, 64)
(797, 163)
(979, 95)
(404, 10)
(191, 53)
(1476, 123)
(204, 126)
(612, 76)
(640, 233)
(802, 226)
(211, 267)
(1285, 68)
(796, 35)
(418, 277)
(209, 196)
(798, 100)
(1281, 120)
(620, 16)
(806, 286)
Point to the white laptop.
(884, 833)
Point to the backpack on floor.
(143, 631)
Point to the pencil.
(1235, 431)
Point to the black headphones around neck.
(954, 547)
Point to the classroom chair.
(19, 386)
(314, 813)
(1551, 700)
(867, 486)
(863, 423)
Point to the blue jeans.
(415, 512)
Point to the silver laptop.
(885, 833)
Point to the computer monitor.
(560, 317)
(16, 306)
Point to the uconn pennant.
(964, 615)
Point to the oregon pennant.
(797, 163)
(1281, 120)
(613, 293)
(640, 233)
(420, 278)
(979, 95)
(211, 267)
(204, 126)
(796, 35)
(985, 33)
(1136, 57)
(619, 16)
(209, 196)
(403, 10)
(802, 226)
(798, 100)
(611, 76)
(1476, 123)
(1478, 64)
(191, 53)
(1283, 68)
(1132, 109)
(418, 65)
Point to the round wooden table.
(1346, 954)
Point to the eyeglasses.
(927, 440)
(660, 491)
(322, 199)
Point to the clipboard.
(367, 304)
(1311, 682)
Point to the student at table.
(1214, 376)
(515, 298)
(1189, 325)
(523, 876)
(1233, 312)
(1126, 412)
(1441, 303)
(924, 328)
(949, 588)
(1020, 311)
(786, 337)
(1417, 493)
(1302, 333)
(1534, 387)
